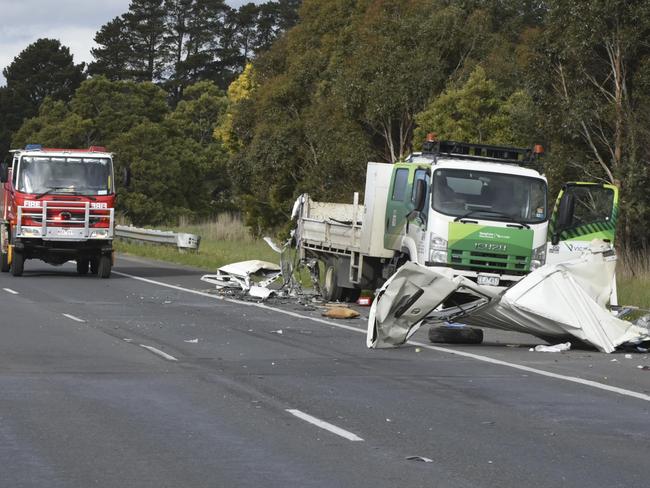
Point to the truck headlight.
(438, 250)
(99, 233)
(30, 232)
(538, 259)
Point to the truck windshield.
(85, 176)
(493, 196)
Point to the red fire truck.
(58, 205)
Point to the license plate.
(487, 280)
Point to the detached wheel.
(104, 267)
(82, 266)
(17, 264)
(328, 287)
(445, 334)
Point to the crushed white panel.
(555, 301)
(244, 274)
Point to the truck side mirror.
(4, 172)
(565, 216)
(420, 194)
(126, 177)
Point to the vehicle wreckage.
(554, 302)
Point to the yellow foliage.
(240, 89)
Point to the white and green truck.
(481, 210)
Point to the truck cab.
(482, 210)
(58, 205)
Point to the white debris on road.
(244, 275)
(554, 301)
(565, 346)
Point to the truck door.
(397, 207)
(402, 217)
(583, 211)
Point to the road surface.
(148, 380)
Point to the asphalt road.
(239, 395)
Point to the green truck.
(481, 210)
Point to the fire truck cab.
(57, 205)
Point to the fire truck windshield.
(493, 196)
(53, 174)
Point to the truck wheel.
(455, 335)
(82, 266)
(351, 295)
(4, 266)
(17, 264)
(94, 265)
(104, 267)
(328, 287)
(5, 262)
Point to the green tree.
(474, 112)
(589, 78)
(114, 51)
(43, 69)
(145, 24)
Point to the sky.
(73, 22)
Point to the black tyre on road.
(446, 334)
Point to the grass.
(633, 278)
(224, 240)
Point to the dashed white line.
(325, 425)
(487, 359)
(72, 317)
(9, 290)
(160, 353)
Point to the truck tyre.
(82, 266)
(351, 295)
(455, 335)
(94, 265)
(328, 287)
(17, 264)
(104, 266)
(4, 266)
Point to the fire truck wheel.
(455, 335)
(94, 265)
(104, 267)
(328, 287)
(5, 262)
(82, 266)
(17, 264)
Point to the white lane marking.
(9, 290)
(160, 353)
(72, 317)
(325, 425)
(487, 359)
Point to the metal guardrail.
(182, 241)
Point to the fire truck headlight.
(538, 259)
(99, 234)
(30, 232)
